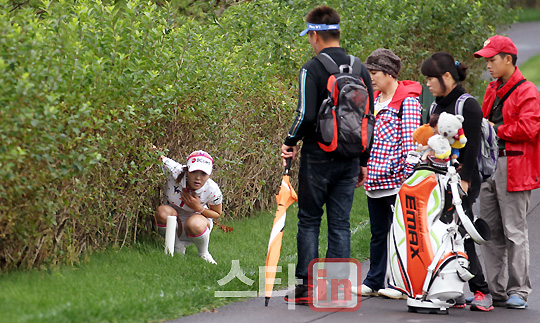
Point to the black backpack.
(344, 123)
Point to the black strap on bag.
(501, 102)
(332, 68)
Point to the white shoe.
(179, 247)
(366, 291)
(208, 257)
(392, 293)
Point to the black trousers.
(478, 282)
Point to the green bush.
(87, 87)
(416, 29)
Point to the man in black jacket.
(322, 178)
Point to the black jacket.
(472, 127)
(312, 92)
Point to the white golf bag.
(426, 256)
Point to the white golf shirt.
(209, 194)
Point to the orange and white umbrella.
(285, 198)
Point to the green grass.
(531, 69)
(529, 14)
(141, 283)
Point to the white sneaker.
(392, 293)
(208, 257)
(366, 291)
(179, 247)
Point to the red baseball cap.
(495, 45)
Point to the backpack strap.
(332, 68)
(461, 102)
(501, 102)
(431, 110)
(400, 112)
(329, 64)
(356, 65)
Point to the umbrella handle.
(288, 163)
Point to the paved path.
(526, 37)
(375, 309)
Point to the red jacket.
(521, 130)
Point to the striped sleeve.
(306, 111)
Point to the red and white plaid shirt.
(392, 140)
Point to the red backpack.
(344, 123)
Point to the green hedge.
(86, 88)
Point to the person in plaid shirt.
(398, 113)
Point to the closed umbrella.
(285, 198)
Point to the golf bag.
(426, 256)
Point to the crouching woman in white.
(194, 199)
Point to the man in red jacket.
(504, 198)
